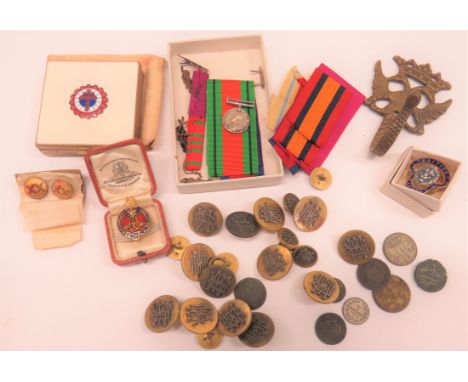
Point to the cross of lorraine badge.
(88, 101)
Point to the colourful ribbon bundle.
(229, 154)
(196, 121)
(281, 103)
(321, 111)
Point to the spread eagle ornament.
(403, 104)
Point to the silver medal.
(237, 120)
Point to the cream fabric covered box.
(89, 101)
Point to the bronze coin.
(330, 328)
(356, 247)
(198, 315)
(274, 262)
(430, 275)
(393, 297)
(321, 287)
(310, 213)
(195, 259)
(305, 256)
(217, 281)
(179, 245)
(269, 214)
(226, 259)
(260, 331)
(374, 274)
(62, 189)
(252, 291)
(342, 287)
(162, 313)
(242, 224)
(287, 238)
(234, 318)
(320, 178)
(210, 340)
(35, 187)
(289, 202)
(205, 219)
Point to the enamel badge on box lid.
(89, 104)
(124, 182)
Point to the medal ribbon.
(230, 154)
(320, 106)
(196, 121)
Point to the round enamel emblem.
(133, 222)
(427, 175)
(88, 101)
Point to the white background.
(76, 298)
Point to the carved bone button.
(274, 262)
(227, 260)
(356, 247)
(234, 318)
(179, 245)
(320, 178)
(269, 214)
(242, 224)
(162, 313)
(252, 291)
(342, 294)
(321, 287)
(310, 213)
(198, 315)
(289, 202)
(195, 259)
(305, 256)
(287, 238)
(260, 331)
(210, 340)
(205, 219)
(217, 281)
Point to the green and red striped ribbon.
(230, 154)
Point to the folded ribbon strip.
(280, 104)
(321, 111)
(229, 154)
(196, 121)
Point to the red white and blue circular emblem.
(88, 101)
(133, 222)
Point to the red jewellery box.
(124, 182)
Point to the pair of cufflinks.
(37, 188)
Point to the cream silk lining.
(122, 172)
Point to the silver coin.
(236, 120)
(355, 311)
(400, 249)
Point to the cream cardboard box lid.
(58, 123)
(421, 204)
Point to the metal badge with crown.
(403, 104)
